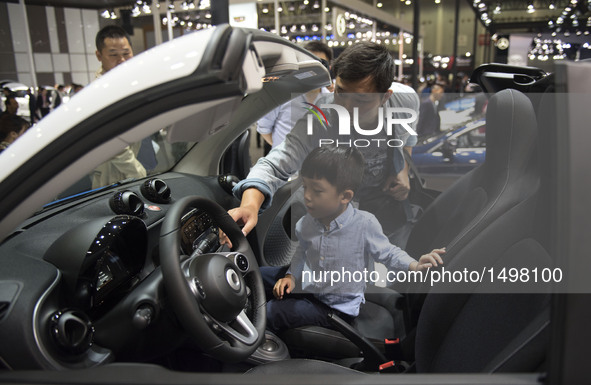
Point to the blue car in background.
(444, 157)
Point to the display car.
(127, 282)
(442, 158)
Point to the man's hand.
(426, 261)
(244, 216)
(398, 186)
(247, 215)
(284, 286)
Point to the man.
(11, 106)
(274, 126)
(429, 120)
(364, 80)
(11, 127)
(57, 100)
(113, 47)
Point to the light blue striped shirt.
(347, 245)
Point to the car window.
(474, 138)
(151, 156)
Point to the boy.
(333, 236)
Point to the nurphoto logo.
(393, 116)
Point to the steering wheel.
(219, 298)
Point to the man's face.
(12, 107)
(437, 92)
(362, 94)
(322, 199)
(320, 55)
(115, 52)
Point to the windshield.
(149, 157)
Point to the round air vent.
(127, 202)
(156, 190)
(72, 331)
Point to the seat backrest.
(487, 327)
(507, 176)
(498, 327)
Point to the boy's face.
(322, 199)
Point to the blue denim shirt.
(285, 160)
(351, 240)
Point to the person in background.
(113, 47)
(274, 126)
(76, 88)
(11, 127)
(10, 106)
(57, 100)
(33, 115)
(43, 102)
(429, 120)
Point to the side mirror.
(448, 149)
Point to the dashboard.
(91, 290)
(198, 233)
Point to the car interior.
(129, 282)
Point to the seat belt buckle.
(393, 349)
(388, 367)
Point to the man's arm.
(268, 138)
(269, 174)
(247, 213)
(399, 185)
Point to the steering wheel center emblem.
(233, 279)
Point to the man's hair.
(11, 123)
(110, 31)
(318, 46)
(364, 59)
(342, 167)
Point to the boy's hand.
(284, 286)
(426, 261)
